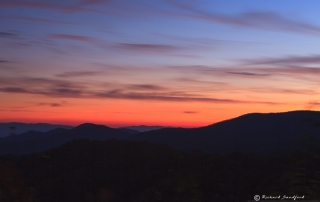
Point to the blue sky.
(231, 56)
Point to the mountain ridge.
(19, 127)
(253, 132)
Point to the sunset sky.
(184, 63)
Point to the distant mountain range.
(256, 133)
(18, 128)
(143, 128)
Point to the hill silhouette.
(143, 128)
(250, 133)
(256, 132)
(33, 141)
(20, 128)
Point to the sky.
(181, 63)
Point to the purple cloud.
(280, 66)
(67, 89)
(248, 74)
(74, 38)
(147, 47)
(78, 74)
(94, 2)
(55, 5)
(256, 19)
(30, 19)
(261, 20)
(14, 90)
(313, 59)
(7, 34)
(118, 94)
(145, 87)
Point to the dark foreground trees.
(114, 170)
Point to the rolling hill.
(250, 133)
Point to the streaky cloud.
(266, 20)
(74, 38)
(118, 94)
(94, 2)
(51, 104)
(248, 74)
(147, 47)
(190, 112)
(245, 70)
(145, 87)
(31, 19)
(78, 74)
(312, 59)
(75, 89)
(280, 90)
(310, 105)
(41, 5)
(8, 34)
(14, 90)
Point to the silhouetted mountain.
(255, 133)
(33, 141)
(20, 128)
(143, 128)
(32, 135)
(23, 137)
(259, 133)
(129, 131)
(20, 144)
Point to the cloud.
(42, 86)
(78, 74)
(55, 5)
(94, 2)
(312, 59)
(55, 92)
(74, 38)
(157, 48)
(207, 41)
(63, 92)
(51, 104)
(147, 47)
(72, 89)
(14, 90)
(312, 104)
(274, 90)
(30, 19)
(4, 61)
(118, 94)
(39, 82)
(289, 67)
(190, 112)
(266, 20)
(64, 6)
(145, 87)
(275, 21)
(248, 74)
(7, 34)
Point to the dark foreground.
(129, 171)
